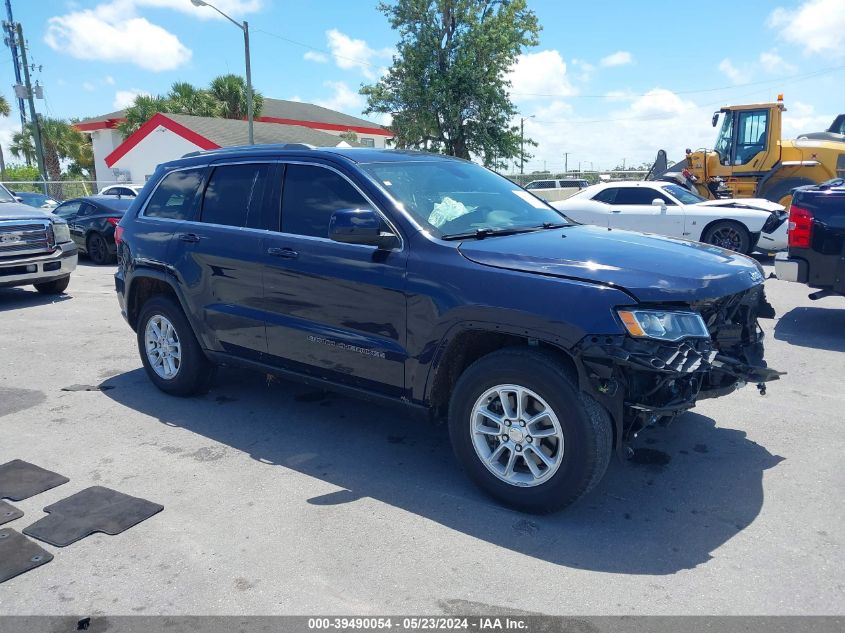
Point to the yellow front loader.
(751, 160)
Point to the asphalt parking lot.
(280, 499)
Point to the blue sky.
(609, 81)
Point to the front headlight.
(61, 232)
(666, 325)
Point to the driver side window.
(68, 209)
(751, 135)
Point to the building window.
(367, 142)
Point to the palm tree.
(60, 140)
(184, 98)
(141, 111)
(4, 111)
(230, 91)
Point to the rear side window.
(608, 196)
(310, 196)
(638, 195)
(174, 197)
(234, 195)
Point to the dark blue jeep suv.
(437, 284)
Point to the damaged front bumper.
(642, 380)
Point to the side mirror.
(658, 202)
(360, 226)
(716, 118)
(18, 198)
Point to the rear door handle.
(189, 237)
(286, 253)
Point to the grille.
(17, 238)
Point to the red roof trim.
(142, 132)
(335, 127)
(105, 124)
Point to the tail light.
(800, 227)
(118, 233)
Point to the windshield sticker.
(447, 210)
(534, 202)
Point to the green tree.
(230, 92)
(349, 136)
(61, 142)
(225, 97)
(5, 110)
(447, 89)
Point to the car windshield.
(684, 196)
(453, 198)
(6, 196)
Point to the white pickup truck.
(35, 247)
(554, 189)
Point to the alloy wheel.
(164, 351)
(517, 435)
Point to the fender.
(149, 272)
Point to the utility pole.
(521, 145)
(11, 40)
(566, 161)
(36, 131)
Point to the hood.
(649, 267)
(744, 203)
(18, 211)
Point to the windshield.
(723, 141)
(684, 196)
(451, 197)
(5, 195)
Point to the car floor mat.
(8, 512)
(95, 509)
(19, 554)
(20, 480)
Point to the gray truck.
(35, 247)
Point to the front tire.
(781, 192)
(55, 287)
(729, 235)
(170, 352)
(525, 434)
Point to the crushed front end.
(642, 380)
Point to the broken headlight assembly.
(663, 325)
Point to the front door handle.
(287, 253)
(189, 237)
(616, 210)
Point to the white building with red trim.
(168, 136)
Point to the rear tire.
(728, 234)
(576, 438)
(174, 360)
(55, 287)
(98, 249)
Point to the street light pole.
(243, 26)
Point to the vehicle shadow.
(692, 487)
(815, 327)
(26, 297)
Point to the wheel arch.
(146, 284)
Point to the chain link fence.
(59, 189)
(592, 177)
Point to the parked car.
(37, 200)
(126, 191)
(92, 220)
(436, 284)
(35, 247)
(816, 254)
(552, 190)
(669, 209)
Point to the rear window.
(173, 199)
(234, 195)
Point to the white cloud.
(659, 119)
(233, 8)
(619, 58)
(109, 80)
(125, 98)
(350, 53)
(541, 73)
(774, 64)
(801, 118)
(316, 56)
(734, 73)
(583, 69)
(111, 32)
(88, 86)
(817, 26)
(344, 98)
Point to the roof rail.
(241, 148)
